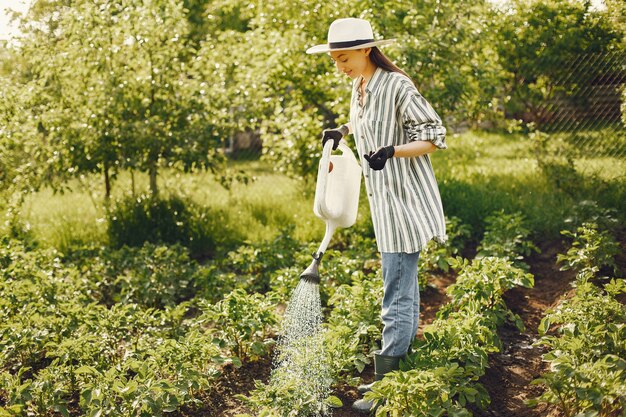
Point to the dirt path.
(508, 378)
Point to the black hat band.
(349, 44)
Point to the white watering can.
(336, 197)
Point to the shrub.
(133, 221)
(242, 323)
(591, 250)
(506, 237)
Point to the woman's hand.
(335, 135)
(378, 160)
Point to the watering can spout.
(311, 274)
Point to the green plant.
(589, 211)
(151, 275)
(133, 221)
(440, 376)
(427, 392)
(242, 323)
(587, 355)
(480, 286)
(353, 325)
(506, 236)
(591, 250)
(253, 263)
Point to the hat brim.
(318, 49)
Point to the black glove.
(335, 135)
(377, 160)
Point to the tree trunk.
(107, 183)
(132, 181)
(153, 179)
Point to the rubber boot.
(363, 388)
(382, 365)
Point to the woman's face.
(352, 62)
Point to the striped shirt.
(404, 197)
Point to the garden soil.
(509, 374)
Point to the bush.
(591, 250)
(506, 237)
(242, 323)
(133, 221)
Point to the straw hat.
(349, 33)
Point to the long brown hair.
(380, 60)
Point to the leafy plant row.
(587, 353)
(104, 332)
(440, 376)
(140, 331)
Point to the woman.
(395, 129)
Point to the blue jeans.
(401, 302)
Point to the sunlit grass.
(257, 210)
(479, 173)
(484, 172)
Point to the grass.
(256, 211)
(479, 174)
(484, 172)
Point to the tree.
(119, 88)
(537, 41)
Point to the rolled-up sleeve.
(419, 119)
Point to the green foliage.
(437, 257)
(253, 263)
(286, 398)
(152, 275)
(428, 392)
(446, 47)
(591, 250)
(588, 356)
(534, 53)
(480, 286)
(440, 375)
(555, 158)
(353, 327)
(133, 221)
(506, 236)
(242, 323)
(61, 349)
(589, 211)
